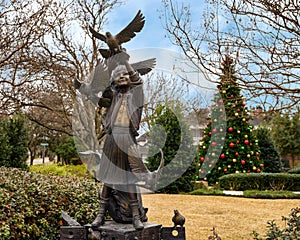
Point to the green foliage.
(268, 153)
(286, 133)
(31, 204)
(14, 142)
(295, 170)
(66, 149)
(291, 231)
(262, 181)
(215, 192)
(238, 150)
(177, 150)
(271, 194)
(63, 171)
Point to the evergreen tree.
(15, 142)
(228, 145)
(286, 134)
(268, 152)
(174, 138)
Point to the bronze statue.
(120, 165)
(114, 42)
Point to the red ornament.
(257, 153)
(249, 171)
(246, 141)
(236, 153)
(231, 144)
(250, 144)
(231, 96)
(213, 144)
(258, 170)
(222, 156)
(230, 129)
(209, 133)
(202, 159)
(225, 169)
(221, 100)
(237, 141)
(238, 110)
(243, 162)
(244, 104)
(204, 136)
(214, 130)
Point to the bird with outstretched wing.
(99, 81)
(100, 78)
(114, 42)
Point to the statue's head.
(120, 77)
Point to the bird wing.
(143, 67)
(100, 79)
(106, 53)
(97, 35)
(133, 27)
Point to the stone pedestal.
(117, 231)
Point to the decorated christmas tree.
(228, 144)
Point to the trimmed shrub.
(214, 192)
(261, 181)
(295, 170)
(271, 194)
(31, 204)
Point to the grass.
(66, 170)
(234, 218)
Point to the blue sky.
(153, 34)
(152, 41)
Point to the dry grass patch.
(234, 218)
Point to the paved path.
(37, 161)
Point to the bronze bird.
(114, 42)
(178, 219)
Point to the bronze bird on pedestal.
(178, 219)
(114, 42)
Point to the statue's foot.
(99, 220)
(137, 223)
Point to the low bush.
(62, 170)
(290, 232)
(271, 194)
(295, 170)
(31, 203)
(200, 191)
(260, 181)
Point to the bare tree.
(44, 45)
(263, 36)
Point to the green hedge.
(260, 181)
(31, 204)
(295, 170)
(271, 194)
